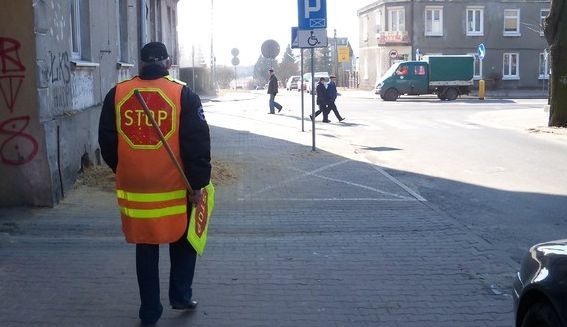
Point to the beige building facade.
(396, 30)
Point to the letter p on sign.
(309, 9)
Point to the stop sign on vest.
(136, 127)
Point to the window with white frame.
(76, 29)
(379, 21)
(434, 21)
(511, 22)
(510, 66)
(475, 21)
(543, 13)
(396, 19)
(123, 30)
(544, 69)
(365, 28)
(477, 67)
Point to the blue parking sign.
(312, 14)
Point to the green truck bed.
(450, 68)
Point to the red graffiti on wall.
(10, 66)
(19, 148)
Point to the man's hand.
(195, 197)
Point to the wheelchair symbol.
(312, 40)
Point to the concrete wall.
(23, 153)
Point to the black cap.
(271, 70)
(154, 51)
(332, 76)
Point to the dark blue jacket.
(331, 91)
(321, 92)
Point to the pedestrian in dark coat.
(322, 101)
(272, 91)
(332, 96)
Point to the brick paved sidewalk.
(300, 239)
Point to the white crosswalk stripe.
(385, 124)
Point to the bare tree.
(555, 29)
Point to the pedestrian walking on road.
(322, 101)
(152, 195)
(272, 91)
(332, 96)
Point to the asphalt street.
(363, 231)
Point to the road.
(490, 164)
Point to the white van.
(318, 75)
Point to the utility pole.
(213, 59)
(336, 57)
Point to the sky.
(246, 24)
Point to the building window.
(396, 19)
(543, 14)
(544, 69)
(379, 21)
(434, 21)
(123, 30)
(75, 29)
(511, 66)
(80, 44)
(477, 67)
(419, 70)
(365, 28)
(475, 21)
(511, 22)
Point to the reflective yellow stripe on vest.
(153, 213)
(151, 197)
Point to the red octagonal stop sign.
(137, 128)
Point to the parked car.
(292, 83)
(540, 287)
(318, 75)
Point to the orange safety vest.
(152, 195)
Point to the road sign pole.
(302, 101)
(313, 95)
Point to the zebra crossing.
(414, 124)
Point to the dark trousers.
(273, 104)
(323, 108)
(182, 257)
(333, 107)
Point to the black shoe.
(189, 306)
(311, 117)
(271, 113)
(341, 119)
(326, 121)
(280, 109)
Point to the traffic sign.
(315, 38)
(344, 54)
(135, 126)
(312, 14)
(481, 51)
(270, 49)
(393, 53)
(294, 39)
